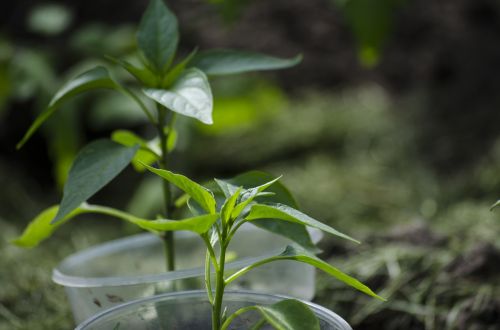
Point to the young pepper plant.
(216, 221)
(165, 86)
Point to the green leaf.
(148, 153)
(130, 139)
(224, 61)
(248, 196)
(177, 70)
(144, 75)
(171, 140)
(288, 314)
(41, 227)
(229, 205)
(371, 23)
(495, 205)
(294, 231)
(199, 224)
(92, 79)
(200, 194)
(257, 178)
(226, 188)
(158, 35)
(298, 254)
(95, 166)
(287, 213)
(189, 96)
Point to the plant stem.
(168, 237)
(219, 287)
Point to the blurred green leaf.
(95, 166)
(158, 35)
(42, 227)
(144, 75)
(224, 61)
(91, 79)
(96, 39)
(148, 152)
(371, 23)
(177, 70)
(230, 10)
(49, 19)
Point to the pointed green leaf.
(41, 227)
(298, 254)
(176, 71)
(144, 75)
(225, 61)
(171, 140)
(94, 167)
(158, 35)
(294, 231)
(257, 178)
(229, 205)
(248, 196)
(288, 314)
(287, 213)
(227, 188)
(495, 205)
(200, 194)
(199, 224)
(189, 96)
(92, 79)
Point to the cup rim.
(59, 276)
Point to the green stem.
(168, 237)
(219, 287)
(210, 258)
(208, 280)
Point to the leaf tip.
(297, 59)
(21, 242)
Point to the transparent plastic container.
(131, 268)
(191, 311)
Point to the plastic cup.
(131, 268)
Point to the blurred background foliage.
(388, 130)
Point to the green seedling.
(165, 86)
(217, 214)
